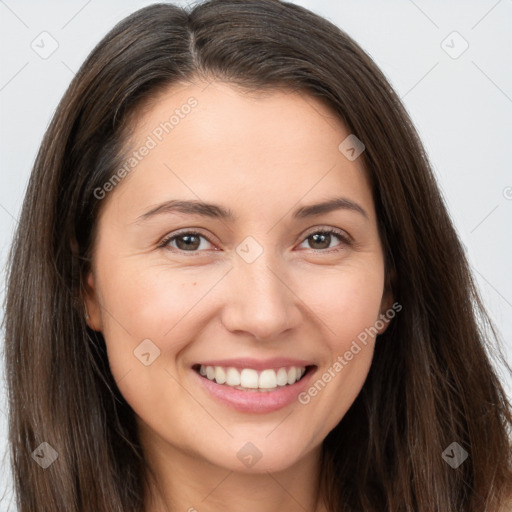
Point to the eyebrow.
(215, 211)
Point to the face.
(210, 314)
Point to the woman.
(260, 370)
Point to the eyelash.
(328, 231)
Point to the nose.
(261, 300)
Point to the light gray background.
(462, 108)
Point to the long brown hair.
(432, 381)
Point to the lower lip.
(255, 401)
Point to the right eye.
(185, 241)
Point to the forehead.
(226, 114)
(215, 142)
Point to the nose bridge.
(262, 304)
(260, 283)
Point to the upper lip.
(257, 364)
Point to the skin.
(262, 156)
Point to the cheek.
(149, 304)
(348, 304)
(346, 300)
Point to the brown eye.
(321, 240)
(186, 241)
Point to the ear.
(92, 305)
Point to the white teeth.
(268, 379)
(249, 378)
(282, 377)
(220, 375)
(210, 372)
(232, 377)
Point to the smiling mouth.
(249, 379)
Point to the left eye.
(324, 238)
